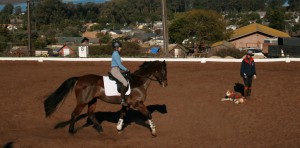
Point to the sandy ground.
(187, 113)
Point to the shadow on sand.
(238, 87)
(132, 116)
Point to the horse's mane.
(144, 66)
(144, 71)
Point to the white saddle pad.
(111, 89)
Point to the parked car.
(256, 51)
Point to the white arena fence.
(201, 60)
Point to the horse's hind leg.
(91, 114)
(143, 109)
(78, 109)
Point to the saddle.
(119, 84)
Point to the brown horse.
(90, 88)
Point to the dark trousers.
(248, 82)
(247, 88)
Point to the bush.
(96, 51)
(235, 53)
(129, 49)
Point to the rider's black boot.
(249, 93)
(123, 97)
(246, 93)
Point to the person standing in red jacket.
(248, 72)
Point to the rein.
(145, 77)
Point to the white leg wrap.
(151, 124)
(152, 127)
(120, 124)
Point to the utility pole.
(165, 28)
(29, 27)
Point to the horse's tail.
(50, 104)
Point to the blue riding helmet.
(116, 44)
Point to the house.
(253, 35)
(90, 34)
(116, 34)
(11, 27)
(178, 51)
(66, 51)
(261, 14)
(90, 26)
(140, 36)
(232, 27)
(157, 25)
(44, 52)
(85, 40)
(219, 46)
(126, 30)
(19, 51)
(65, 40)
(286, 46)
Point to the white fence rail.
(202, 60)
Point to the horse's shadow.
(132, 116)
(238, 87)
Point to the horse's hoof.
(120, 131)
(72, 132)
(153, 132)
(120, 125)
(98, 128)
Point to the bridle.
(160, 76)
(145, 77)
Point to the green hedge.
(129, 49)
(235, 53)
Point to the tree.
(4, 37)
(5, 13)
(18, 10)
(294, 5)
(40, 43)
(8, 9)
(104, 38)
(246, 19)
(275, 3)
(276, 19)
(199, 26)
(4, 18)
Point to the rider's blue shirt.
(116, 61)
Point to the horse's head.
(155, 70)
(161, 73)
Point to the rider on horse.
(116, 66)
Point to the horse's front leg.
(143, 109)
(122, 116)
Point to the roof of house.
(116, 31)
(90, 34)
(173, 46)
(63, 47)
(63, 40)
(254, 28)
(224, 43)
